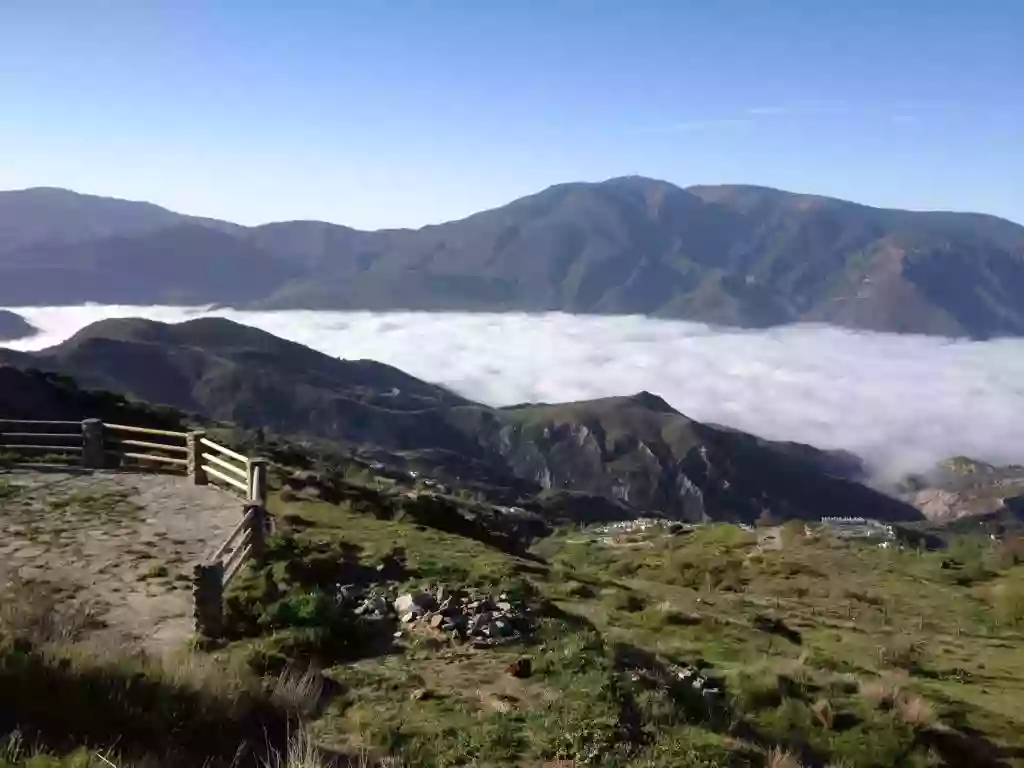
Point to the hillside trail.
(120, 545)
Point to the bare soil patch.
(121, 544)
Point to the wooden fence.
(94, 444)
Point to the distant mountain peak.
(651, 402)
(733, 255)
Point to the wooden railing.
(22, 441)
(167, 451)
(93, 444)
(247, 541)
(223, 464)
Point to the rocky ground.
(483, 619)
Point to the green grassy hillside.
(825, 652)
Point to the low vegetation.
(655, 648)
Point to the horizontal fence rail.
(224, 465)
(36, 441)
(147, 448)
(94, 444)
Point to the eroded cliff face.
(961, 487)
(679, 468)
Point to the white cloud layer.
(902, 402)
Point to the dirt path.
(124, 544)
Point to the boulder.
(418, 602)
(478, 622)
(500, 628)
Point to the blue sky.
(396, 113)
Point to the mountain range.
(733, 255)
(635, 453)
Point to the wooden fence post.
(258, 504)
(258, 482)
(195, 456)
(92, 444)
(257, 532)
(208, 596)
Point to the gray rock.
(500, 628)
(420, 602)
(504, 606)
(373, 606)
(478, 622)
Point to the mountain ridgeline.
(13, 326)
(733, 255)
(635, 453)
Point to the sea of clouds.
(901, 402)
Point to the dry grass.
(778, 757)
(884, 691)
(880, 693)
(296, 692)
(218, 678)
(915, 711)
(302, 752)
(824, 713)
(41, 616)
(890, 694)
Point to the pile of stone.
(672, 675)
(483, 619)
(480, 618)
(641, 525)
(692, 676)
